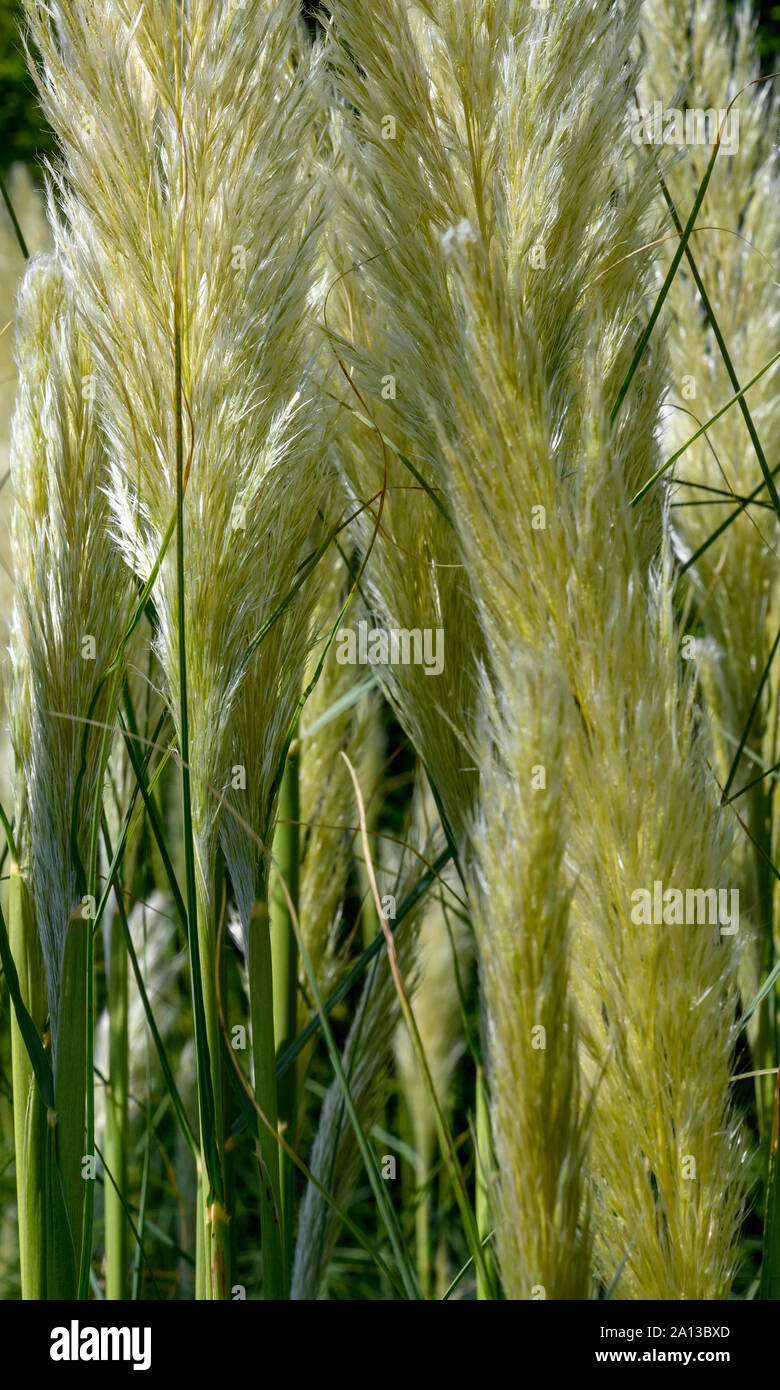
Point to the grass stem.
(29, 1110)
(117, 1135)
(264, 1062)
(284, 961)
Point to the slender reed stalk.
(29, 1110)
(484, 1159)
(117, 1118)
(265, 1089)
(284, 966)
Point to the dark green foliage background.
(23, 132)
(769, 34)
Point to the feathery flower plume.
(414, 579)
(659, 996)
(72, 597)
(734, 575)
(734, 578)
(71, 608)
(498, 215)
(193, 183)
(521, 899)
(192, 217)
(31, 213)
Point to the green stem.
(422, 1224)
(284, 962)
(765, 1050)
(484, 1159)
(216, 1214)
(28, 1108)
(200, 1240)
(264, 1065)
(69, 1167)
(117, 1134)
(14, 220)
(441, 1273)
(373, 758)
(369, 920)
(201, 936)
(770, 1264)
